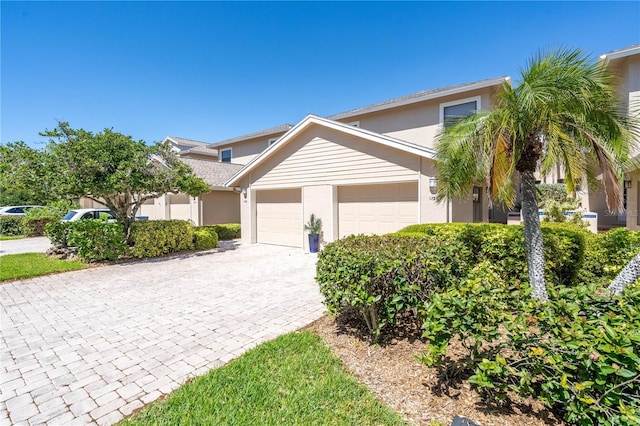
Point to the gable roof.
(420, 97)
(265, 132)
(213, 172)
(311, 120)
(192, 146)
(621, 53)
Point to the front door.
(477, 204)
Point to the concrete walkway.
(25, 245)
(91, 346)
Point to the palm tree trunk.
(533, 236)
(629, 275)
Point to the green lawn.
(293, 380)
(11, 237)
(27, 265)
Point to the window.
(225, 155)
(354, 124)
(452, 112)
(271, 141)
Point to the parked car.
(17, 210)
(82, 214)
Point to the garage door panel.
(279, 217)
(376, 209)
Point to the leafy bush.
(96, 240)
(579, 352)
(384, 276)
(227, 231)
(57, 232)
(503, 245)
(555, 192)
(469, 311)
(159, 237)
(204, 238)
(606, 254)
(35, 221)
(10, 225)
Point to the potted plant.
(313, 227)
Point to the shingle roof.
(187, 142)
(272, 130)
(213, 172)
(420, 96)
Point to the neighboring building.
(243, 149)
(220, 205)
(625, 64)
(368, 170)
(187, 148)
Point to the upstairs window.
(452, 112)
(271, 141)
(225, 155)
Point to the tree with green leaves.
(23, 175)
(115, 170)
(563, 111)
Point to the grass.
(11, 237)
(27, 265)
(292, 380)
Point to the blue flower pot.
(314, 241)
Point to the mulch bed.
(419, 393)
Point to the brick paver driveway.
(92, 346)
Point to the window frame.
(220, 158)
(476, 99)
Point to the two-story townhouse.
(368, 170)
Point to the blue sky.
(214, 70)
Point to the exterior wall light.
(433, 185)
(627, 184)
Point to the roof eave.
(355, 131)
(426, 97)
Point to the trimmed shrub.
(204, 238)
(57, 232)
(10, 225)
(606, 254)
(96, 240)
(226, 231)
(503, 245)
(384, 276)
(35, 226)
(159, 237)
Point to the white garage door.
(279, 217)
(376, 209)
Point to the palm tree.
(563, 111)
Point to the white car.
(17, 210)
(82, 214)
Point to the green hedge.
(226, 231)
(383, 276)
(36, 226)
(96, 240)
(10, 225)
(159, 237)
(204, 238)
(503, 246)
(606, 254)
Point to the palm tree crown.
(564, 111)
